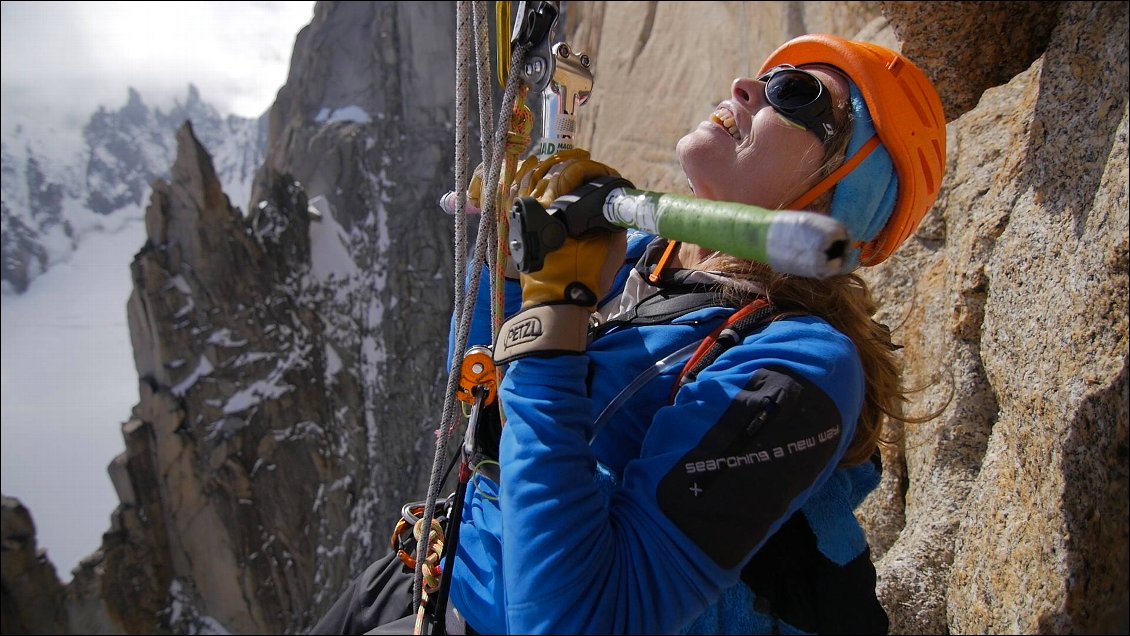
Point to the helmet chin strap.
(837, 175)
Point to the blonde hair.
(843, 301)
(846, 303)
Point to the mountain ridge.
(59, 186)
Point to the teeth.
(725, 118)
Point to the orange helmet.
(907, 116)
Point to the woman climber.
(717, 496)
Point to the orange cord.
(827, 182)
(653, 278)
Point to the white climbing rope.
(493, 142)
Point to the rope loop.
(476, 471)
(520, 135)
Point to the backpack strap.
(743, 322)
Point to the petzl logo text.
(523, 332)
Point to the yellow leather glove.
(559, 299)
(475, 187)
(544, 180)
(558, 175)
(474, 198)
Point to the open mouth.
(724, 117)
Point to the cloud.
(61, 60)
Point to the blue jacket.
(646, 525)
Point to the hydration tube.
(648, 375)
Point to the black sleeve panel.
(796, 583)
(776, 438)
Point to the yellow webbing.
(502, 37)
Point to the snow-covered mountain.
(58, 186)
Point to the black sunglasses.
(801, 97)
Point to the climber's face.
(750, 152)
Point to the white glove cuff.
(543, 330)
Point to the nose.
(746, 91)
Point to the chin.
(692, 153)
(681, 146)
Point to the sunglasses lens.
(789, 90)
(799, 96)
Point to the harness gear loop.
(430, 567)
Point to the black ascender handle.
(533, 234)
(534, 28)
(536, 231)
(535, 20)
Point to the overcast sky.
(67, 360)
(61, 60)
